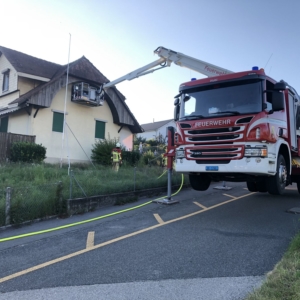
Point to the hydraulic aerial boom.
(168, 56)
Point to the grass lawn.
(41, 190)
(283, 283)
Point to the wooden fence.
(7, 139)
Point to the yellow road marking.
(200, 205)
(229, 196)
(90, 239)
(158, 218)
(54, 261)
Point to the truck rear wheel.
(262, 186)
(298, 186)
(251, 186)
(200, 182)
(277, 183)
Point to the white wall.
(126, 138)
(77, 142)
(27, 84)
(19, 122)
(13, 77)
(8, 98)
(163, 130)
(150, 135)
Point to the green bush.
(131, 157)
(27, 152)
(101, 151)
(148, 156)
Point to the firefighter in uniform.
(116, 156)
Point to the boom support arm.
(189, 62)
(139, 72)
(168, 56)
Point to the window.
(269, 88)
(228, 97)
(5, 84)
(100, 130)
(58, 122)
(3, 124)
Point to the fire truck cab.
(238, 127)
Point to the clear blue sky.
(120, 36)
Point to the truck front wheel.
(276, 184)
(200, 182)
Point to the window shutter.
(100, 130)
(58, 122)
(3, 124)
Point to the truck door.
(294, 114)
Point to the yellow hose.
(85, 221)
(295, 162)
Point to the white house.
(35, 95)
(155, 130)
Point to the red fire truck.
(232, 126)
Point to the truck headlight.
(256, 151)
(180, 153)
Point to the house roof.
(31, 65)
(9, 110)
(25, 63)
(155, 125)
(81, 69)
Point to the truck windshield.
(227, 98)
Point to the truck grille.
(208, 144)
(221, 152)
(214, 130)
(215, 138)
(224, 134)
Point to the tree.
(138, 139)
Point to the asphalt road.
(217, 244)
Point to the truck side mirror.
(277, 101)
(170, 135)
(176, 109)
(176, 113)
(280, 86)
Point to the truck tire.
(262, 186)
(298, 186)
(251, 186)
(200, 182)
(277, 183)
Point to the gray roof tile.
(28, 64)
(155, 125)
